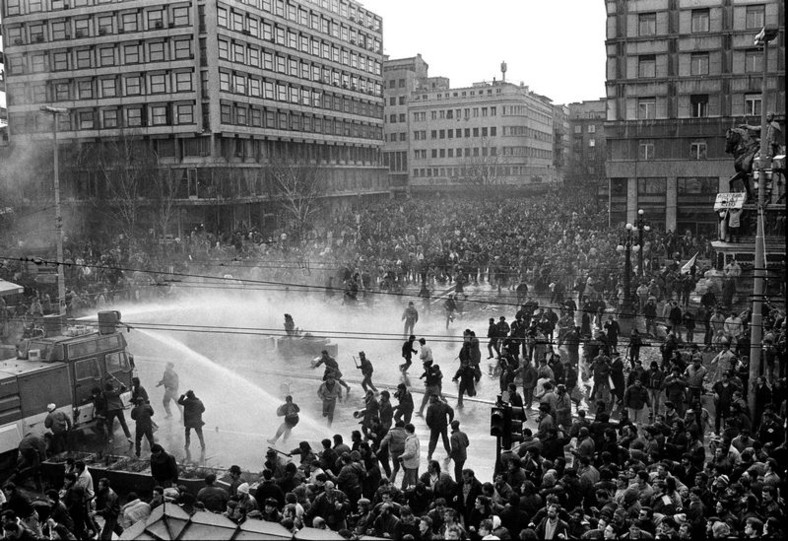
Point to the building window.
(108, 88)
(647, 66)
(752, 104)
(59, 31)
(224, 50)
(134, 116)
(60, 61)
(578, 128)
(105, 25)
(698, 151)
(183, 49)
(133, 85)
(647, 108)
(85, 90)
(592, 143)
(756, 17)
(158, 115)
(85, 120)
(110, 118)
(156, 51)
(183, 81)
(592, 128)
(699, 104)
(697, 185)
(753, 61)
(83, 59)
(131, 54)
(156, 19)
(180, 16)
(158, 84)
(62, 91)
(128, 22)
(652, 186)
(647, 24)
(700, 20)
(699, 64)
(107, 56)
(645, 151)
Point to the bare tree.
(297, 189)
(483, 166)
(162, 195)
(126, 167)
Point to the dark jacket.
(143, 413)
(439, 415)
(193, 409)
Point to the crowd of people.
(636, 453)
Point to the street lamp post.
(641, 228)
(61, 283)
(762, 170)
(627, 248)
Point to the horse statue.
(742, 143)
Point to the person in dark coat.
(466, 493)
(193, 409)
(404, 410)
(439, 415)
(143, 415)
(163, 467)
(467, 382)
(115, 409)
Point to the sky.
(556, 47)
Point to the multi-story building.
(679, 73)
(489, 133)
(586, 165)
(401, 78)
(216, 87)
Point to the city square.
(331, 291)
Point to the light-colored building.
(679, 74)
(217, 87)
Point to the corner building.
(679, 74)
(215, 87)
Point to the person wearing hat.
(59, 424)
(245, 506)
(366, 370)
(142, 414)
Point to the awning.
(7, 288)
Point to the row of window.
(697, 151)
(754, 18)
(449, 114)
(132, 116)
(105, 87)
(101, 56)
(296, 13)
(102, 24)
(699, 64)
(484, 151)
(699, 106)
(249, 55)
(591, 128)
(393, 100)
(250, 85)
(322, 49)
(658, 186)
(241, 114)
(394, 137)
(488, 171)
(458, 133)
(259, 27)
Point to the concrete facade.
(217, 87)
(679, 73)
(586, 164)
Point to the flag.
(689, 264)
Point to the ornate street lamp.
(627, 247)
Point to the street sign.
(732, 200)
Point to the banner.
(731, 200)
